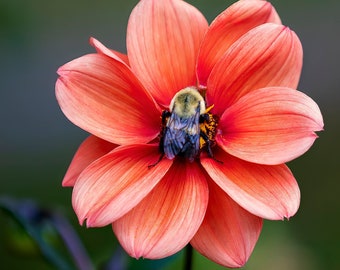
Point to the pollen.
(208, 127)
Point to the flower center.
(189, 127)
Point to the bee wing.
(182, 136)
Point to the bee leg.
(161, 149)
(165, 115)
(159, 160)
(208, 144)
(208, 147)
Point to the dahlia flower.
(246, 65)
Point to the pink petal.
(163, 39)
(115, 183)
(268, 55)
(227, 28)
(102, 96)
(166, 220)
(90, 150)
(228, 233)
(270, 192)
(270, 126)
(100, 48)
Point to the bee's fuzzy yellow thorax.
(186, 101)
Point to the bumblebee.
(188, 127)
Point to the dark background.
(37, 142)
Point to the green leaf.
(50, 231)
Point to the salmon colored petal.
(163, 39)
(270, 126)
(90, 150)
(166, 220)
(100, 48)
(270, 192)
(115, 183)
(228, 233)
(268, 55)
(103, 97)
(228, 27)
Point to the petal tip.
(81, 221)
(92, 41)
(66, 183)
(60, 71)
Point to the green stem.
(188, 257)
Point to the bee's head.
(186, 102)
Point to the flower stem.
(188, 257)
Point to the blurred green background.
(37, 142)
